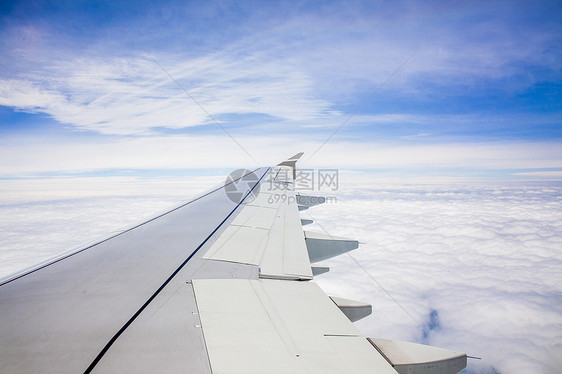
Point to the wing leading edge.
(220, 284)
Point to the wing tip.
(291, 161)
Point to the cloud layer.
(486, 259)
(26, 156)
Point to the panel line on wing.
(275, 318)
(140, 310)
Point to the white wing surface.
(219, 284)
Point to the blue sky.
(81, 91)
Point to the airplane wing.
(222, 283)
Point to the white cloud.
(487, 155)
(28, 156)
(133, 95)
(542, 174)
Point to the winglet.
(291, 162)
